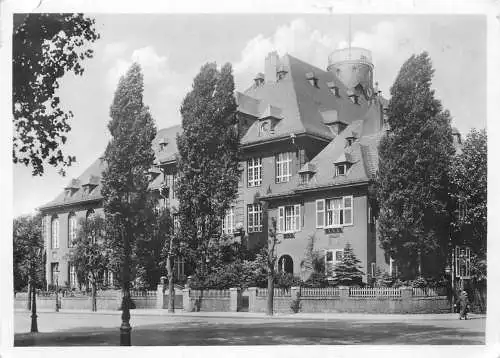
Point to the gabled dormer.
(91, 183)
(343, 164)
(259, 79)
(307, 172)
(331, 119)
(72, 187)
(351, 137)
(162, 143)
(353, 96)
(334, 88)
(269, 118)
(313, 79)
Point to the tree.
(208, 158)
(89, 254)
(28, 263)
(468, 176)
(128, 156)
(412, 183)
(45, 47)
(347, 271)
(272, 241)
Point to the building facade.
(309, 152)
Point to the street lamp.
(34, 323)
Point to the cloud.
(164, 88)
(297, 38)
(113, 50)
(391, 43)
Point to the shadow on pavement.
(268, 333)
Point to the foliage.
(316, 279)
(347, 271)
(208, 158)
(287, 280)
(28, 251)
(468, 176)
(89, 253)
(127, 202)
(296, 305)
(313, 260)
(45, 47)
(412, 183)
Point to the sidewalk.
(294, 316)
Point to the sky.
(171, 48)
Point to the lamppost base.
(125, 336)
(34, 324)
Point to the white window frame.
(334, 259)
(289, 218)
(73, 279)
(72, 229)
(228, 222)
(283, 163)
(338, 214)
(320, 213)
(254, 172)
(254, 217)
(337, 171)
(54, 233)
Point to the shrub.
(287, 280)
(296, 305)
(317, 279)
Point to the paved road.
(96, 329)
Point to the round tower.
(352, 66)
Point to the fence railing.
(319, 292)
(374, 292)
(425, 292)
(278, 292)
(209, 293)
(138, 293)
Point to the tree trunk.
(94, 295)
(29, 293)
(125, 328)
(171, 293)
(270, 294)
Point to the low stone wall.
(212, 300)
(344, 303)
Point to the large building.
(309, 152)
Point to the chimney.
(271, 67)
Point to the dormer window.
(163, 142)
(91, 183)
(281, 72)
(351, 138)
(307, 172)
(72, 187)
(354, 97)
(313, 80)
(340, 169)
(259, 79)
(334, 89)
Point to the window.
(228, 222)
(254, 217)
(90, 214)
(285, 264)
(72, 227)
(179, 268)
(289, 218)
(283, 167)
(254, 172)
(73, 281)
(54, 273)
(373, 269)
(340, 169)
(171, 182)
(55, 233)
(177, 223)
(332, 258)
(334, 212)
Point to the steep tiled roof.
(304, 107)
(362, 155)
(79, 189)
(169, 137)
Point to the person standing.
(464, 305)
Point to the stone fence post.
(252, 299)
(160, 294)
(295, 292)
(186, 301)
(235, 299)
(343, 292)
(406, 293)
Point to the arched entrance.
(285, 264)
